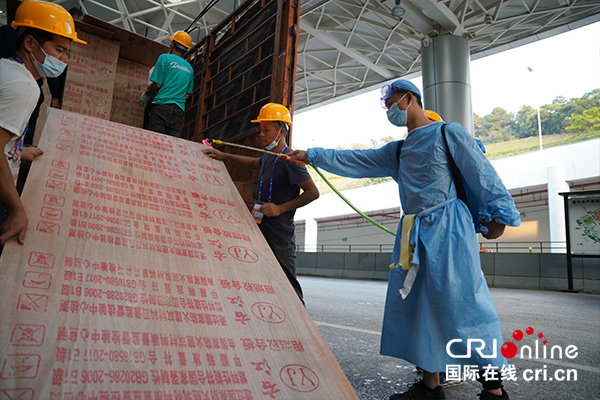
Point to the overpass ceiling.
(347, 46)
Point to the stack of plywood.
(91, 76)
(131, 80)
(143, 276)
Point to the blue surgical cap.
(401, 84)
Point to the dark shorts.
(167, 119)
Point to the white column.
(556, 205)
(310, 235)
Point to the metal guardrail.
(484, 247)
(347, 248)
(523, 247)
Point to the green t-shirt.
(176, 77)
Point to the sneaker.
(446, 383)
(485, 395)
(420, 391)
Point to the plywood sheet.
(131, 80)
(134, 47)
(91, 76)
(144, 277)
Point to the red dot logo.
(529, 331)
(509, 349)
(518, 335)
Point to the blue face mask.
(52, 66)
(397, 116)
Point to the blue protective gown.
(450, 298)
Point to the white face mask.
(52, 66)
(273, 144)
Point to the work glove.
(144, 100)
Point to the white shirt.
(19, 94)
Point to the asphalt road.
(349, 313)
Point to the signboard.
(144, 277)
(584, 224)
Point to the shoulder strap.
(460, 190)
(399, 150)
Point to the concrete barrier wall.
(502, 270)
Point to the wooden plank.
(91, 76)
(131, 80)
(81, 26)
(134, 47)
(143, 276)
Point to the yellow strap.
(405, 248)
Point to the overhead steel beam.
(127, 22)
(414, 17)
(340, 47)
(439, 12)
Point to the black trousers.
(286, 256)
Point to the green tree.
(554, 115)
(478, 130)
(583, 118)
(586, 122)
(526, 122)
(587, 101)
(498, 126)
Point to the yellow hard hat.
(47, 17)
(183, 38)
(274, 112)
(432, 115)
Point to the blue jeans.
(166, 118)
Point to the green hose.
(318, 172)
(348, 202)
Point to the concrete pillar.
(311, 235)
(446, 78)
(556, 204)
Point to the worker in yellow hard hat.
(57, 85)
(182, 40)
(273, 112)
(171, 83)
(45, 32)
(279, 185)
